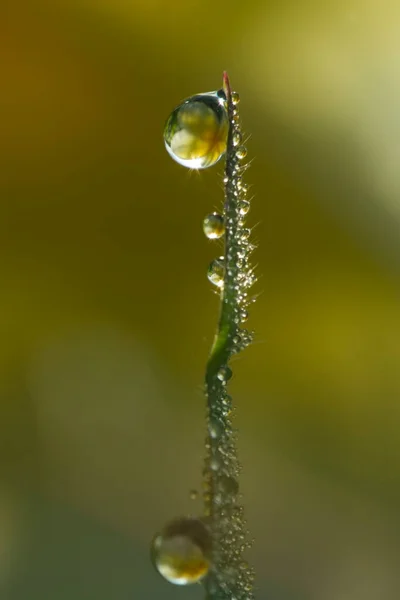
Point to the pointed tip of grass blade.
(226, 84)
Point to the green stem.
(230, 577)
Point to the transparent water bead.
(215, 427)
(235, 98)
(216, 272)
(181, 552)
(241, 152)
(196, 132)
(244, 315)
(224, 374)
(236, 138)
(213, 226)
(244, 207)
(229, 484)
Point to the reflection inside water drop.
(196, 132)
(213, 226)
(180, 553)
(216, 272)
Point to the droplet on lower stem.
(181, 552)
(244, 315)
(224, 374)
(216, 272)
(236, 138)
(215, 427)
(241, 152)
(244, 207)
(213, 226)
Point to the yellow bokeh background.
(106, 315)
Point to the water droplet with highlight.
(229, 485)
(236, 138)
(215, 427)
(236, 339)
(224, 374)
(180, 553)
(241, 152)
(244, 315)
(216, 272)
(196, 132)
(244, 207)
(235, 98)
(213, 226)
(215, 463)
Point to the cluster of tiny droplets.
(230, 578)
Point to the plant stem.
(230, 577)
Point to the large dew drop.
(181, 552)
(196, 132)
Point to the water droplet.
(213, 226)
(215, 428)
(244, 315)
(235, 98)
(196, 132)
(216, 272)
(244, 207)
(193, 494)
(227, 402)
(215, 463)
(180, 553)
(229, 485)
(241, 152)
(236, 138)
(224, 374)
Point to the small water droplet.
(236, 138)
(213, 226)
(224, 374)
(215, 463)
(229, 484)
(244, 207)
(244, 315)
(215, 428)
(180, 553)
(193, 494)
(196, 132)
(235, 98)
(241, 152)
(216, 272)
(227, 402)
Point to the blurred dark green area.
(106, 316)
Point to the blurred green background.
(106, 316)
